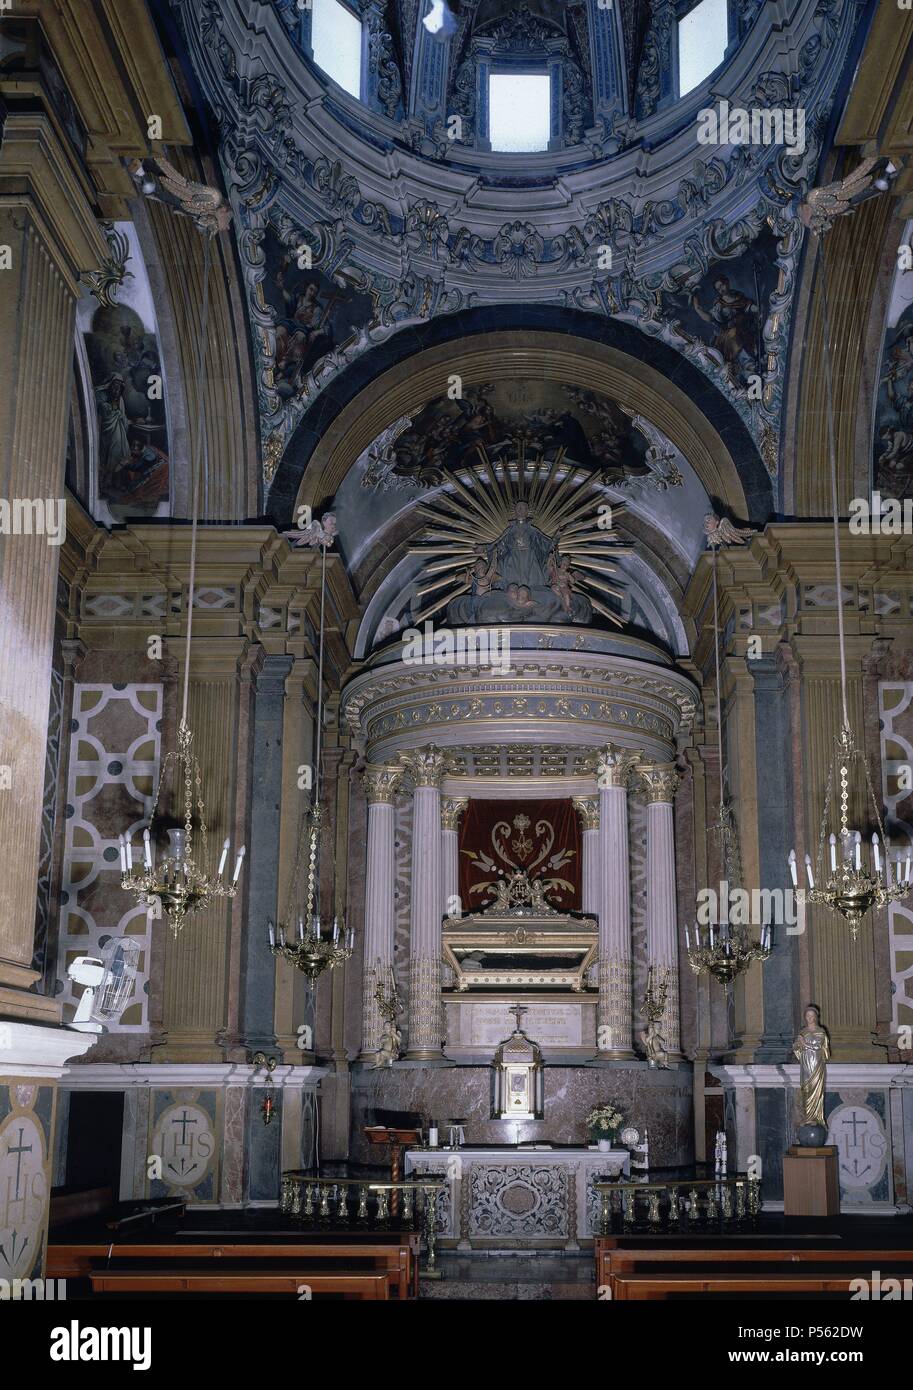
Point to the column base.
(423, 1055)
(621, 1054)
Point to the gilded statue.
(812, 1050)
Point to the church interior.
(456, 693)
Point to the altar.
(509, 1197)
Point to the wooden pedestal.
(811, 1186)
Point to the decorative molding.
(424, 765)
(588, 808)
(381, 782)
(659, 782)
(452, 808)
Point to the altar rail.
(723, 1201)
(330, 1203)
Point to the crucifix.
(518, 1010)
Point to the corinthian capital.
(614, 765)
(424, 765)
(452, 807)
(381, 782)
(659, 781)
(588, 807)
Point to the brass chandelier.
(181, 883)
(854, 877)
(303, 939)
(730, 950)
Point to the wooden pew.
(747, 1259)
(360, 1284)
(665, 1284)
(394, 1253)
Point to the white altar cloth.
(515, 1197)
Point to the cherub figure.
(562, 579)
(483, 575)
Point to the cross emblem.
(518, 1011)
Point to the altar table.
(514, 1197)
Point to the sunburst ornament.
(519, 540)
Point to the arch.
(491, 343)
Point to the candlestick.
(876, 853)
(808, 871)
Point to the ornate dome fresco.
(372, 205)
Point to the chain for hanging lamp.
(723, 949)
(179, 883)
(302, 938)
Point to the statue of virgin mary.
(812, 1050)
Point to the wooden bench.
(665, 1284)
(747, 1260)
(396, 1255)
(356, 1284)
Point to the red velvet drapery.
(542, 837)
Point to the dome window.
(703, 36)
(519, 111)
(336, 43)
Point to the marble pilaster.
(614, 767)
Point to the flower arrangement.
(604, 1120)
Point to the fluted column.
(49, 235)
(659, 782)
(452, 808)
(613, 1034)
(426, 766)
(381, 784)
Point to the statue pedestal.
(810, 1182)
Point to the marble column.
(381, 784)
(659, 782)
(452, 808)
(426, 766)
(613, 1033)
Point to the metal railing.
(734, 1200)
(328, 1203)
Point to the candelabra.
(178, 884)
(857, 877)
(725, 953)
(309, 946)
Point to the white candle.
(833, 844)
(335, 930)
(711, 936)
(792, 868)
(315, 925)
(858, 842)
(808, 871)
(272, 934)
(907, 872)
(238, 862)
(687, 938)
(351, 937)
(876, 853)
(121, 844)
(282, 936)
(147, 850)
(224, 857)
(300, 928)
(432, 1137)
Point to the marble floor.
(512, 1274)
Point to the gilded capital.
(381, 782)
(659, 781)
(452, 808)
(614, 765)
(425, 765)
(588, 807)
